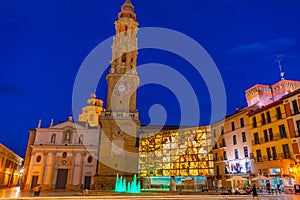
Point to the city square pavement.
(15, 193)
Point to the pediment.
(70, 124)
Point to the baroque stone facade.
(63, 156)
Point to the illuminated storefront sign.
(275, 171)
(238, 166)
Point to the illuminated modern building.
(61, 156)
(232, 150)
(292, 108)
(10, 167)
(176, 159)
(271, 144)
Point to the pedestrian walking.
(254, 191)
(37, 190)
(268, 186)
(278, 188)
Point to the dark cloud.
(258, 48)
(11, 90)
(252, 48)
(281, 44)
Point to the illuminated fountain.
(132, 187)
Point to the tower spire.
(128, 2)
(127, 10)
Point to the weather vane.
(278, 60)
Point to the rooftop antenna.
(279, 58)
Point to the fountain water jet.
(132, 187)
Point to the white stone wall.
(52, 159)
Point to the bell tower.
(118, 150)
(122, 79)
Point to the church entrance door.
(34, 181)
(61, 179)
(87, 182)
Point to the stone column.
(41, 175)
(54, 170)
(81, 167)
(48, 170)
(77, 169)
(70, 171)
(29, 173)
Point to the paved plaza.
(15, 193)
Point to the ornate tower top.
(127, 11)
(92, 111)
(128, 2)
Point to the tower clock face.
(121, 87)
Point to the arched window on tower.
(124, 57)
(53, 138)
(131, 63)
(67, 137)
(80, 139)
(125, 30)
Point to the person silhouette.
(254, 191)
(37, 190)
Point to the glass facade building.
(183, 154)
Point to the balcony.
(218, 176)
(285, 156)
(294, 112)
(215, 147)
(255, 142)
(279, 156)
(262, 140)
(222, 145)
(120, 115)
(223, 158)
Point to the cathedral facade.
(64, 156)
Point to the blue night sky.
(43, 43)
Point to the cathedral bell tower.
(122, 78)
(118, 151)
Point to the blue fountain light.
(132, 187)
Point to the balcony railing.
(223, 158)
(218, 176)
(120, 115)
(222, 145)
(279, 156)
(262, 140)
(294, 112)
